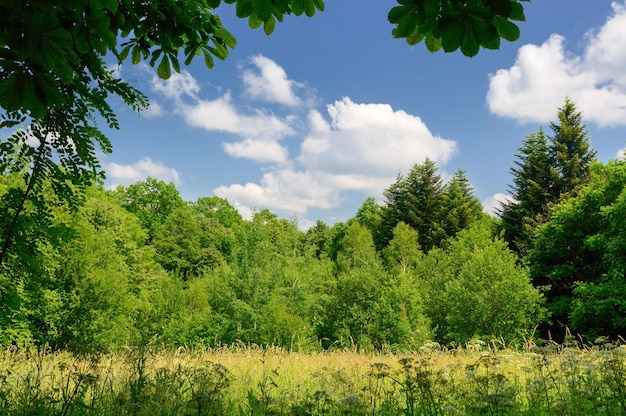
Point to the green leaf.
(469, 43)
(415, 37)
(254, 22)
(219, 50)
(309, 8)
(500, 7)
(432, 7)
(263, 9)
(243, 9)
(110, 5)
(432, 43)
(136, 55)
(124, 53)
(175, 63)
(451, 32)
(397, 13)
(81, 40)
(226, 37)
(208, 60)
(319, 5)
(487, 35)
(507, 29)
(517, 12)
(407, 23)
(297, 7)
(269, 25)
(163, 69)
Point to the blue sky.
(326, 111)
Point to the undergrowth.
(477, 379)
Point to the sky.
(327, 111)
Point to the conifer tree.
(416, 200)
(547, 169)
(533, 179)
(459, 207)
(570, 150)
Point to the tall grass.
(477, 379)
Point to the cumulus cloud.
(621, 154)
(126, 174)
(154, 110)
(493, 203)
(351, 147)
(361, 148)
(370, 140)
(177, 86)
(283, 190)
(259, 130)
(544, 75)
(221, 115)
(261, 151)
(268, 81)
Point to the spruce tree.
(459, 207)
(547, 169)
(570, 151)
(416, 200)
(533, 179)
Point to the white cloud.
(362, 148)
(126, 174)
(370, 140)
(221, 115)
(177, 86)
(353, 148)
(270, 82)
(261, 151)
(493, 203)
(543, 76)
(283, 190)
(259, 129)
(621, 154)
(154, 110)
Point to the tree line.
(139, 264)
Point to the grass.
(477, 379)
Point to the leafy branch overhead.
(45, 44)
(454, 24)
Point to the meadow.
(477, 379)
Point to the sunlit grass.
(249, 380)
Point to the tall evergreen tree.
(547, 169)
(533, 180)
(416, 200)
(459, 207)
(570, 150)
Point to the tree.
(570, 150)
(369, 307)
(459, 207)
(477, 289)
(548, 170)
(450, 24)
(369, 215)
(152, 201)
(218, 208)
(578, 256)
(416, 200)
(403, 252)
(53, 76)
(533, 181)
(183, 244)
